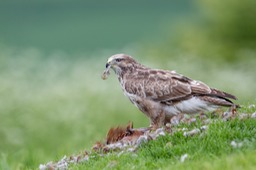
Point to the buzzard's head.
(119, 63)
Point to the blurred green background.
(52, 53)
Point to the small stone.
(142, 139)
(175, 120)
(233, 144)
(125, 145)
(226, 116)
(191, 133)
(152, 135)
(132, 149)
(113, 146)
(119, 145)
(62, 166)
(251, 106)
(191, 121)
(50, 166)
(243, 116)
(168, 125)
(236, 145)
(183, 157)
(160, 132)
(86, 158)
(253, 115)
(42, 167)
(204, 128)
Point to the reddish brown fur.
(123, 133)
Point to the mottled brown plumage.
(161, 94)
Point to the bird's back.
(168, 87)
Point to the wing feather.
(168, 86)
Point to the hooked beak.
(106, 73)
(107, 65)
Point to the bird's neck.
(122, 72)
(129, 71)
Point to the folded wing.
(169, 87)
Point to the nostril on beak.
(107, 65)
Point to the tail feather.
(220, 98)
(222, 94)
(220, 101)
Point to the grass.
(53, 105)
(211, 150)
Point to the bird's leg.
(233, 110)
(157, 121)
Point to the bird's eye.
(118, 59)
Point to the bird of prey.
(162, 94)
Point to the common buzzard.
(162, 94)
